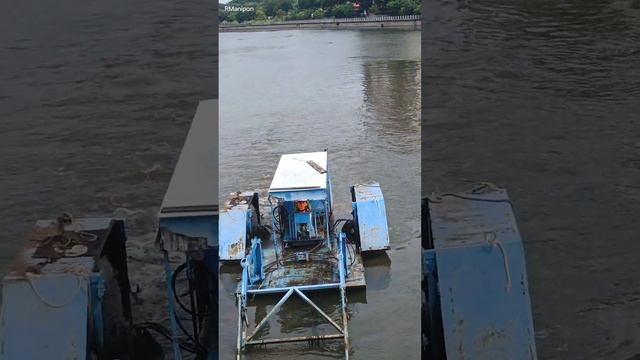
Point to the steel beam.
(294, 339)
(305, 298)
(276, 307)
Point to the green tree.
(402, 7)
(223, 15)
(260, 14)
(271, 7)
(343, 11)
(365, 4)
(285, 5)
(380, 6)
(308, 4)
(244, 16)
(317, 14)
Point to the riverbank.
(377, 22)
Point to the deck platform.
(318, 273)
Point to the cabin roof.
(194, 184)
(304, 171)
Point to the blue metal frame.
(254, 262)
(319, 205)
(97, 286)
(252, 275)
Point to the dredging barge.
(305, 249)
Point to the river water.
(96, 99)
(543, 98)
(356, 93)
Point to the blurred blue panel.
(370, 216)
(482, 280)
(32, 305)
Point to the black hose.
(280, 219)
(335, 224)
(199, 349)
(164, 332)
(174, 277)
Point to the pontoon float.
(475, 291)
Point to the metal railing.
(362, 19)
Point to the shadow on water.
(377, 271)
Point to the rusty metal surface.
(71, 244)
(310, 338)
(238, 218)
(233, 232)
(46, 295)
(194, 232)
(321, 269)
(175, 241)
(47, 249)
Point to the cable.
(196, 343)
(197, 347)
(335, 224)
(464, 197)
(492, 239)
(279, 220)
(174, 277)
(353, 250)
(162, 330)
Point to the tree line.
(315, 9)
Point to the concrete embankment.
(391, 22)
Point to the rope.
(477, 190)
(493, 241)
(438, 198)
(46, 302)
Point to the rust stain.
(235, 248)
(488, 339)
(234, 200)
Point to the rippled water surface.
(96, 99)
(543, 98)
(356, 93)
